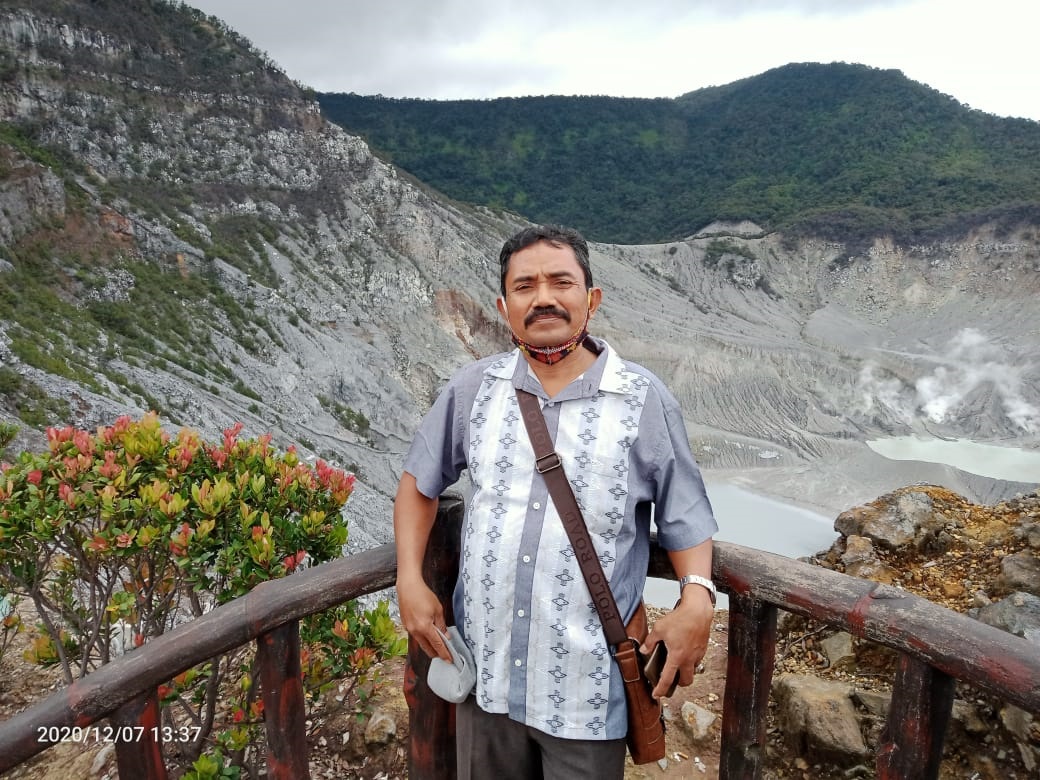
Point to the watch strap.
(696, 579)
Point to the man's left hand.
(685, 632)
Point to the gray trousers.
(493, 747)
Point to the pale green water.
(987, 460)
(755, 521)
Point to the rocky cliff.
(180, 229)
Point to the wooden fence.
(936, 647)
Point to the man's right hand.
(421, 616)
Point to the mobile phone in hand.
(654, 667)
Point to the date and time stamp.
(104, 735)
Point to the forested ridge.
(834, 149)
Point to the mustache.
(543, 311)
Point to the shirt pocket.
(601, 488)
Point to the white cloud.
(981, 54)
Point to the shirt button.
(519, 613)
(536, 505)
(518, 663)
(527, 559)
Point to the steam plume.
(969, 361)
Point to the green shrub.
(350, 419)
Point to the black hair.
(553, 234)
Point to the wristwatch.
(696, 579)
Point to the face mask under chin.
(552, 355)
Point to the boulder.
(861, 560)
(1020, 572)
(380, 729)
(858, 549)
(1030, 531)
(876, 703)
(899, 519)
(1025, 728)
(697, 721)
(818, 718)
(839, 650)
(966, 716)
(1018, 614)
(102, 758)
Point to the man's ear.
(595, 299)
(501, 304)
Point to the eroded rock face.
(374, 289)
(29, 194)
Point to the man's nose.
(545, 295)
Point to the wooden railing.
(936, 647)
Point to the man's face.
(546, 300)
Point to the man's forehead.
(554, 260)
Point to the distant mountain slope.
(829, 149)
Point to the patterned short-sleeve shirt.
(521, 602)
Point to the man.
(549, 700)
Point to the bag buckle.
(547, 463)
(636, 644)
(630, 666)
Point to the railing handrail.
(967, 649)
(758, 583)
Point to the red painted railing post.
(912, 740)
(135, 728)
(285, 716)
(431, 722)
(749, 673)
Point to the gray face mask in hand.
(453, 681)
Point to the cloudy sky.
(982, 52)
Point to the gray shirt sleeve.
(437, 457)
(439, 451)
(682, 512)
